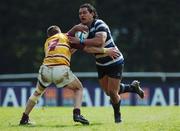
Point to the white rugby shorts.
(59, 75)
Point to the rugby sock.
(24, 119)
(25, 116)
(76, 111)
(116, 107)
(126, 88)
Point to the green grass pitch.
(135, 118)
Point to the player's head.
(87, 13)
(52, 30)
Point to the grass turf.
(135, 118)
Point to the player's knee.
(79, 86)
(107, 93)
(35, 96)
(111, 93)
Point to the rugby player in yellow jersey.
(56, 69)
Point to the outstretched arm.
(98, 40)
(74, 29)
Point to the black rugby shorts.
(114, 71)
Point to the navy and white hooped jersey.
(102, 59)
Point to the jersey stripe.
(101, 59)
(57, 50)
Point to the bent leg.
(77, 87)
(31, 103)
(34, 98)
(113, 85)
(104, 84)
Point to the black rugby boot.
(25, 120)
(138, 89)
(81, 119)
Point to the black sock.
(25, 116)
(126, 88)
(76, 111)
(116, 107)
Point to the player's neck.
(89, 23)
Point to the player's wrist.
(81, 41)
(105, 50)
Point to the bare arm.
(112, 52)
(76, 28)
(91, 49)
(98, 40)
(72, 50)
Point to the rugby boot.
(138, 90)
(25, 120)
(81, 119)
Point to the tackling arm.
(98, 40)
(112, 52)
(72, 50)
(79, 27)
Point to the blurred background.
(146, 31)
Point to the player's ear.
(93, 14)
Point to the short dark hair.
(90, 8)
(52, 30)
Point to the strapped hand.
(112, 52)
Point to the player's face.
(85, 16)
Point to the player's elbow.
(100, 42)
(87, 49)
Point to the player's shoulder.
(99, 22)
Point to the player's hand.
(75, 43)
(81, 27)
(73, 40)
(113, 52)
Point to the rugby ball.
(81, 35)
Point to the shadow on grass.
(56, 126)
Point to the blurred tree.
(146, 31)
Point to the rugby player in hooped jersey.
(56, 69)
(109, 69)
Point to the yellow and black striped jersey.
(57, 50)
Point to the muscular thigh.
(75, 84)
(113, 84)
(104, 83)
